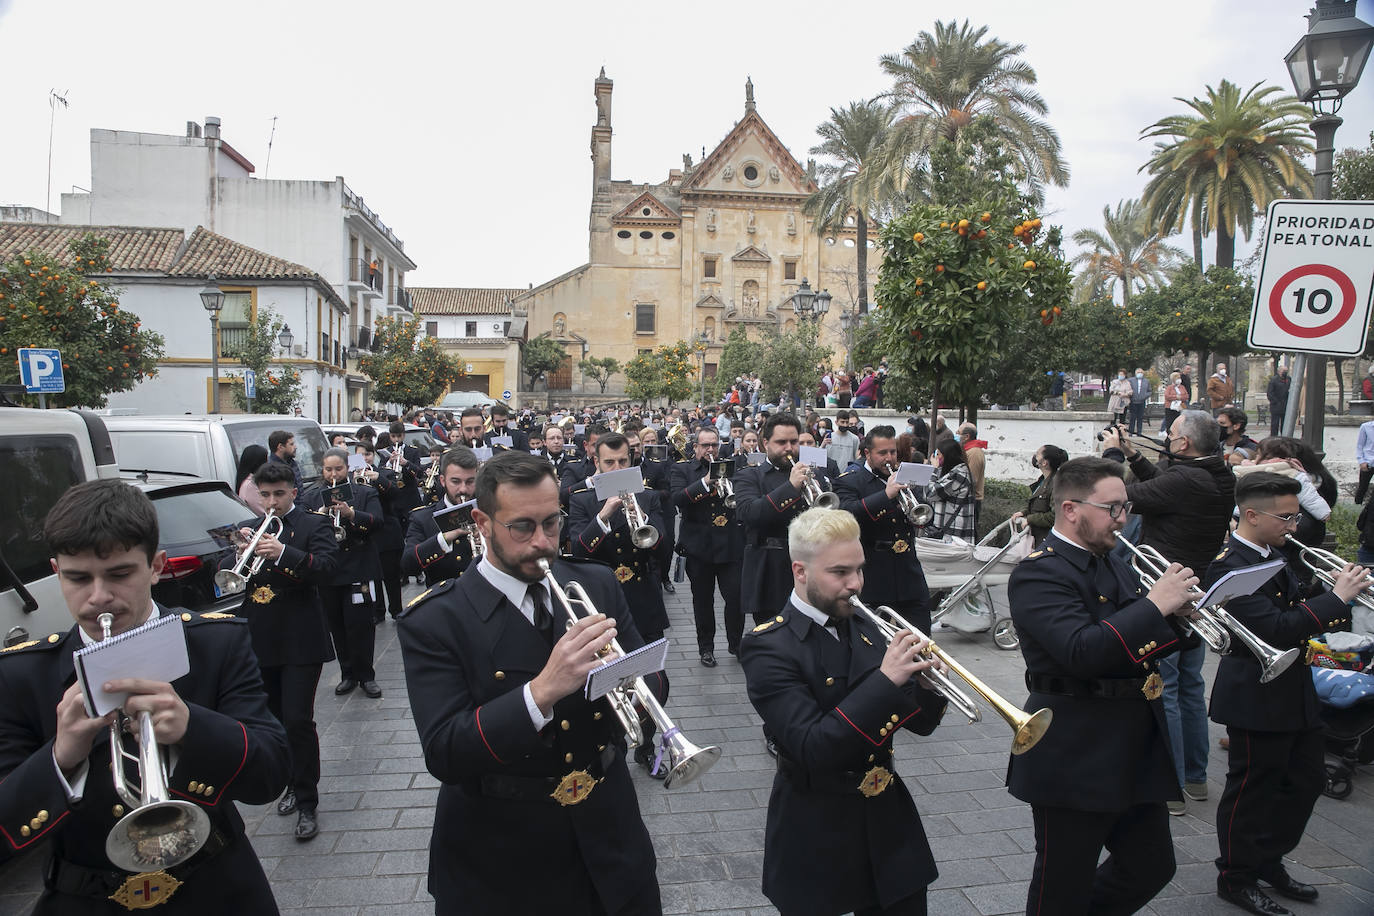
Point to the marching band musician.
(893, 575)
(1092, 639)
(440, 555)
(843, 834)
(1276, 764)
(390, 539)
(599, 530)
(500, 426)
(527, 764)
(347, 592)
(470, 428)
(290, 637)
(657, 477)
(714, 544)
(412, 474)
(554, 449)
(56, 789)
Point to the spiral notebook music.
(646, 659)
(155, 651)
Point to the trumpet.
(396, 460)
(686, 761)
(642, 534)
(466, 524)
(159, 831)
(1325, 564)
(1212, 624)
(432, 477)
(1029, 728)
(916, 512)
(246, 565)
(811, 490)
(360, 476)
(721, 472)
(335, 518)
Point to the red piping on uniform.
(1119, 636)
(1232, 821)
(478, 716)
(1158, 650)
(856, 728)
(1313, 616)
(36, 836)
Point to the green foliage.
(1354, 178)
(1208, 313)
(278, 391)
(409, 368)
(1124, 251)
(1341, 525)
(738, 356)
(665, 373)
(542, 355)
(600, 369)
(1000, 499)
(1097, 337)
(788, 366)
(50, 302)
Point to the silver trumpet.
(1325, 564)
(720, 474)
(467, 525)
(686, 761)
(396, 460)
(246, 565)
(916, 512)
(815, 497)
(642, 534)
(159, 831)
(1214, 625)
(1029, 728)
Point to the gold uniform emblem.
(720, 521)
(263, 595)
(624, 573)
(22, 645)
(1153, 686)
(900, 546)
(875, 781)
(574, 788)
(145, 891)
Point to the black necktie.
(543, 620)
(841, 625)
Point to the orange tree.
(1099, 336)
(665, 373)
(406, 367)
(279, 388)
(52, 302)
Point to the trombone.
(686, 761)
(158, 832)
(811, 490)
(246, 565)
(1029, 728)
(1325, 564)
(1213, 624)
(916, 512)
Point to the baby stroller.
(970, 580)
(1347, 710)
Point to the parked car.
(209, 447)
(457, 400)
(196, 520)
(417, 436)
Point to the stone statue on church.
(791, 222)
(751, 304)
(750, 225)
(711, 219)
(686, 162)
(560, 326)
(729, 173)
(773, 174)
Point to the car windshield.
(310, 442)
(187, 518)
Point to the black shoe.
(669, 587)
(287, 804)
(307, 827)
(644, 756)
(1287, 886)
(345, 686)
(708, 659)
(1250, 898)
(371, 689)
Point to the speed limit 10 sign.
(1316, 278)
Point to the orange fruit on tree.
(1029, 265)
(1035, 223)
(962, 231)
(963, 224)
(1017, 230)
(939, 268)
(919, 237)
(982, 284)
(1044, 312)
(987, 217)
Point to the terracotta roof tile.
(132, 248)
(210, 254)
(461, 300)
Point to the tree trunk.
(1197, 246)
(934, 411)
(1226, 248)
(862, 261)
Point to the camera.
(1111, 428)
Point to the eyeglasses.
(522, 530)
(1115, 510)
(1286, 519)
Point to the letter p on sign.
(40, 370)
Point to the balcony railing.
(399, 296)
(360, 337)
(360, 271)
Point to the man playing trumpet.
(834, 695)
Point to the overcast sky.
(466, 126)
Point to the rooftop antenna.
(270, 137)
(54, 99)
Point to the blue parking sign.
(40, 370)
(250, 384)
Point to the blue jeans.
(1365, 557)
(1185, 709)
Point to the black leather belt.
(540, 788)
(1106, 688)
(770, 543)
(839, 782)
(80, 881)
(889, 545)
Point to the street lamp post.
(285, 339)
(809, 305)
(1325, 65)
(212, 298)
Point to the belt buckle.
(720, 521)
(1153, 686)
(624, 573)
(146, 890)
(875, 781)
(264, 595)
(900, 546)
(574, 788)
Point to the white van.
(42, 454)
(209, 447)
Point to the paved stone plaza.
(377, 806)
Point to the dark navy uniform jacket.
(892, 571)
(520, 440)
(1085, 619)
(396, 508)
(468, 655)
(633, 566)
(834, 716)
(358, 560)
(1278, 614)
(765, 503)
(422, 553)
(710, 532)
(233, 750)
(281, 602)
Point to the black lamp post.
(808, 303)
(212, 298)
(1325, 65)
(285, 339)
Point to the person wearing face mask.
(1140, 396)
(1039, 512)
(1120, 400)
(1220, 389)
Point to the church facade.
(720, 244)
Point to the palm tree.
(1124, 251)
(850, 185)
(942, 82)
(1229, 159)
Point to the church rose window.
(751, 173)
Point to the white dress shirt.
(517, 593)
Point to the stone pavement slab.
(377, 806)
